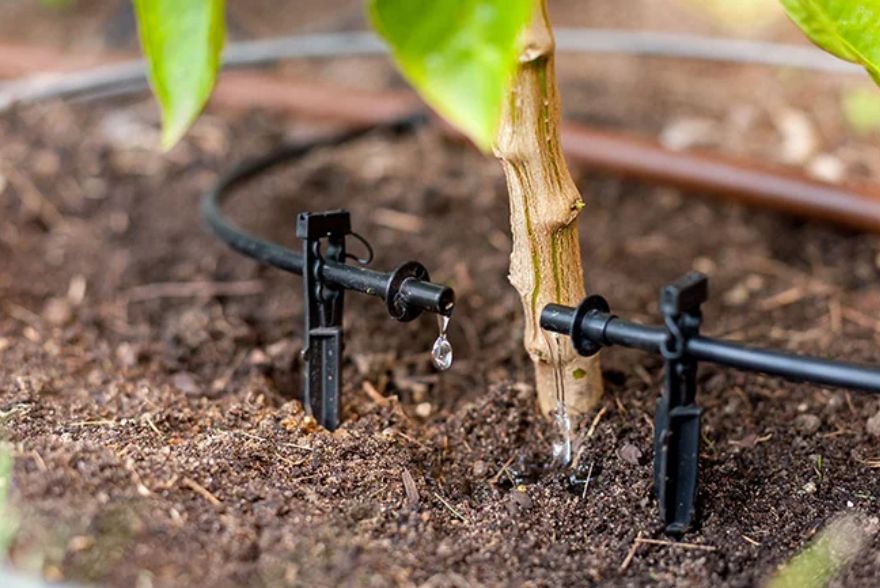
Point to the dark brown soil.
(156, 435)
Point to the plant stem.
(545, 264)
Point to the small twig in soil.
(587, 483)
(620, 406)
(399, 221)
(193, 289)
(861, 319)
(374, 395)
(596, 420)
(793, 295)
(643, 375)
(149, 420)
(18, 408)
(835, 315)
(648, 421)
(23, 315)
(410, 439)
(631, 553)
(849, 403)
(752, 541)
(301, 478)
(412, 493)
(497, 476)
(201, 490)
(836, 433)
(451, 508)
(680, 544)
(94, 423)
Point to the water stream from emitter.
(562, 448)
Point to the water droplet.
(441, 352)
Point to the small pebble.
(630, 454)
(736, 296)
(836, 402)
(445, 548)
(185, 382)
(310, 425)
(827, 167)
(279, 348)
(519, 497)
(704, 265)
(807, 423)
(57, 312)
(258, 357)
(810, 487)
(479, 469)
(423, 409)
(127, 355)
(873, 425)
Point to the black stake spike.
(322, 353)
(677, 420)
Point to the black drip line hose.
(417, 295)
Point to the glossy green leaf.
(459, 54)
(850, 29)
(182, 40)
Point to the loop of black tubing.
(422, 294)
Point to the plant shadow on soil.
(156, 436)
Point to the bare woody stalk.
(545, 265)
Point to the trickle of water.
(562, 448)
(441, 351)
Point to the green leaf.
(459, 54)
(850, 29)
(182, 40)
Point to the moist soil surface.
(149, 376)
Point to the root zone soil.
(148, 377)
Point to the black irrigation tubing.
(421, 294)
(130, 76)
(677, 433)
(606, 329)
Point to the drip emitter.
(407, 291)
(592, 326)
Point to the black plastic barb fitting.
(592, 326)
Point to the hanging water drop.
(441, 352)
